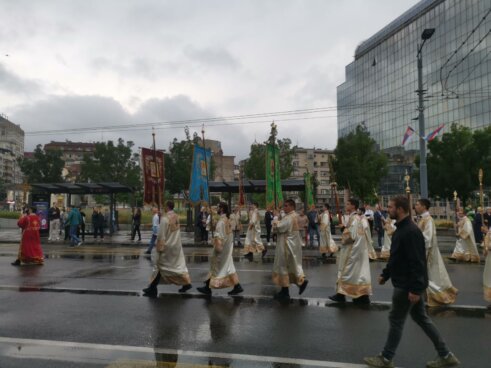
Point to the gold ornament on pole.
(407, 178)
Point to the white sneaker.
(79, 244)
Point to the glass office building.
(379, 91)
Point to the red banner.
(153, 176)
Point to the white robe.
(222, 269)
(170, 260)
(389, 227)
(486, 244)
(327, 244)
(465, 247)
(287, 267)
(354, 279)
(253, 241)
(366, 227)
(440, 289)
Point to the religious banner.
(274, 194)
(198, 186)
(241, 189)
(153, 176)
(309, 189)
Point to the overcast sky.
(93, 63)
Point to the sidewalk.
(123, 238)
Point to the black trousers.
(136, 229)
(401, 307)
(98, 229)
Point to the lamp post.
(423, 172)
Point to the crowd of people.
(409, 243)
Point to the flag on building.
(153, 176)
(434, 133)
(198, 186)
(274, 194)
(309, 189)
(407, 136)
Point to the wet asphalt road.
(83, 309)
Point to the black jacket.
(407, 263)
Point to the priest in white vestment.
(170, 265)
(486, 244)
(327, 244)
(354, 278)
(465, 247)
(253, 243)
(287, 266)
(389, 228)
(222, 270)
(440, 290)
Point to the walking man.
(54, 223)
(253, 243)
(74, 219)
(354, 279)
(287, 266)
(155, 230)
(378, 222)
(313, 217)
(170, 265)
(407, 269)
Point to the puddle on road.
(117, 356)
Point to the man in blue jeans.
(313, 217)
(407, 269)
(155, 229)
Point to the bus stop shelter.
(41, 192)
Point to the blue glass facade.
(379, 91)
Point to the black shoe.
(264, 252)
(303, 287)
(236, 290)
(204, 290)
(364, 299)
(282, 297)
(16, 263)
(338, 298)
(150, 291)
(249, 256)
(323, 255)
(148, 252)
(185, 288)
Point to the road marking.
(178, 352)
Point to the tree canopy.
(359, 165)
(255, 166)
(43, 167)
(113, 163)
(455, 159)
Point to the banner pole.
(207, 181)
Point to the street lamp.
(423, 176)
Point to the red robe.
(30, 245)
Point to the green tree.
(255, 168)
(455, 159)
(113, 163)
(359, 165)
(44, 167)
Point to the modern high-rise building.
(379, 90)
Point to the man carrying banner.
(253, 243)
(287, 267)
(327, 244)
(465, 247)
(170, 266)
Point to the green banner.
(309, 189)
(273, 178)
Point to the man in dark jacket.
(407, 269)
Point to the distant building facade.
(11, 149)
(73, 155)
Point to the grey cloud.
(12, 83)
(65, 112)
(212, 57)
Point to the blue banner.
(198, 186)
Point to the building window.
(324, 173)
(295, 163)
